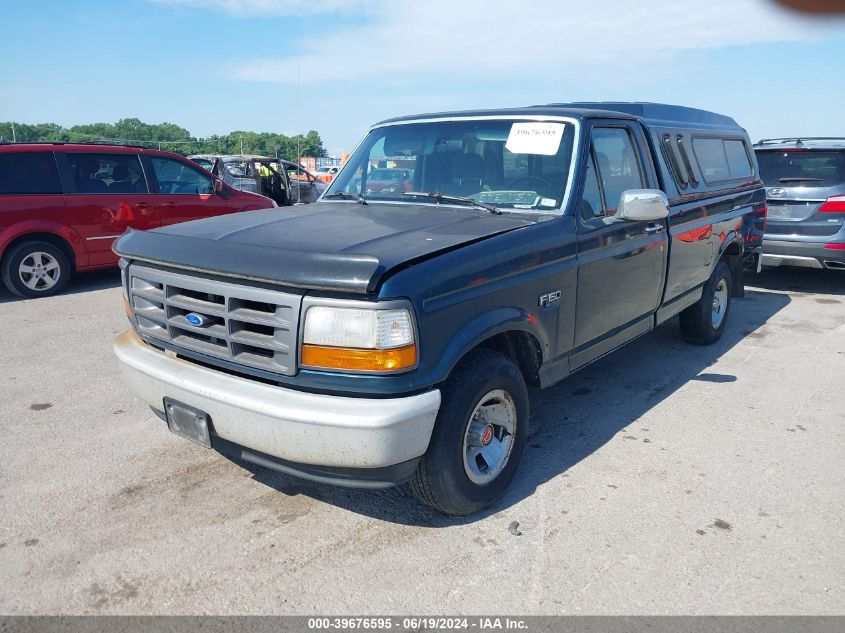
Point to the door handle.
(653, 228)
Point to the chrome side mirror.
(643, 205)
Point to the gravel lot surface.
(666, 478)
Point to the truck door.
(622, 264)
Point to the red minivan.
(62, 205)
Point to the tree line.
(171, 137)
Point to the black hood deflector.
(341, 246)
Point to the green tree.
(172, 137)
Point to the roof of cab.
(649, 113)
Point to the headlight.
(358, 339)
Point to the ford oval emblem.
(197, 320)
(777, 192)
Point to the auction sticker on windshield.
(535, 138)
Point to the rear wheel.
(704, 322)
(478, 438)
(35, 269)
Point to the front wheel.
(478, 438)
(704, 322)
(35, 269)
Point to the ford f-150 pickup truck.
(385, 335)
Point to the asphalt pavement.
(664, 479)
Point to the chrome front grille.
(247, 325)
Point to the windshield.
(509, 164)
(802, 168)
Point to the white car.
(327, 173)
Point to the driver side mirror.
(218, 186)
(643, 205)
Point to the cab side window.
(592, 205)
(617, 163)
(176, 177)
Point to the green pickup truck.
(388, 334)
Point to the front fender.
(481, 328)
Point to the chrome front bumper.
(293, 426)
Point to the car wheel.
(703, 322)
(478, 438)
(35, 269)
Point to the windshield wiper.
(345, 195)
(441, 198)
(799, 179)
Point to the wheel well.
(50, 238)
(733, 256)
(522, 349)
(733, 249)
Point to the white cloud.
(510, 41)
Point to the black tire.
(56, 280)
(441, 480)
(697, 321)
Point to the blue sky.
(337, 66)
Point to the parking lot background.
(664, 479)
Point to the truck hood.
(342, 246)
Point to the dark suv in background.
(805, 183)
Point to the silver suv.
(805, 184)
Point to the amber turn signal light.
(127, 307)
(359, 359)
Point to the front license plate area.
(187, 421)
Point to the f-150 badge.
(549, 299)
